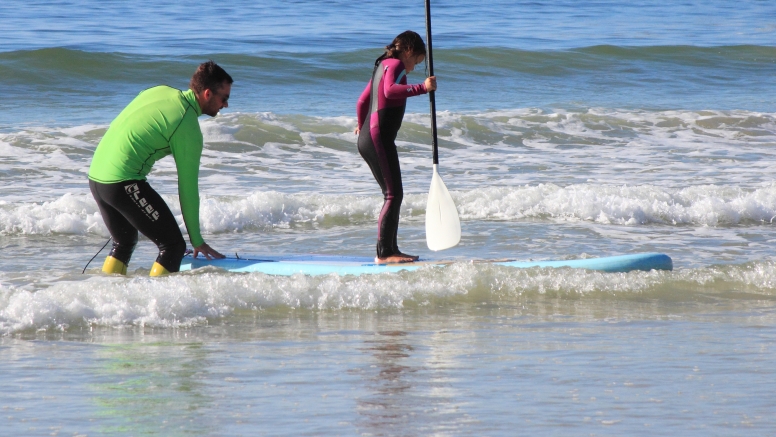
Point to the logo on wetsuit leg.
(134, 193)
(131, 188)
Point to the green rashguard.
(160, 121)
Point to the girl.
(381, 105)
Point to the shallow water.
(548, 367)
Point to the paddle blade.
(443, 229)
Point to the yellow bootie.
(158, 270)
(112, 265)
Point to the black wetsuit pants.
(383, 160)
(131, 206)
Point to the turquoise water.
(79, 62)
(567, 130)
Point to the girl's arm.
(362, 106)
(392, 86)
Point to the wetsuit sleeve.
(362, 106)
(186, 146)
(394, 90)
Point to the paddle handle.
(432, 101)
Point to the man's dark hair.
(209, 76)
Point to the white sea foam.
(192, 298)
(188, 299)
(293, 154)
(701, 205)
(705, 177)
(706, 205)
(70, 214)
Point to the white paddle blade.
(443, 229)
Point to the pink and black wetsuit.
(381, 105)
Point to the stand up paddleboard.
(286, 265)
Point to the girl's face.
(410, 60)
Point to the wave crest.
(193, 298)
(706, 205)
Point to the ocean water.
(567, 130)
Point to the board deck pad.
(313, 265)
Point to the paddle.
(443, 229)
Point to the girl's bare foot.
(396, 258)
(414, 257)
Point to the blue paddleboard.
(287, 265)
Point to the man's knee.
(171, 254)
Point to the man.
(160, 121)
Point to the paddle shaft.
(432, 101)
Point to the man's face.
(215, 100)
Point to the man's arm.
(186, 145)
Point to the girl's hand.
(430, 83)
(357, 130)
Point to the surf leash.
(95, 255)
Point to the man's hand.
(206, 250)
